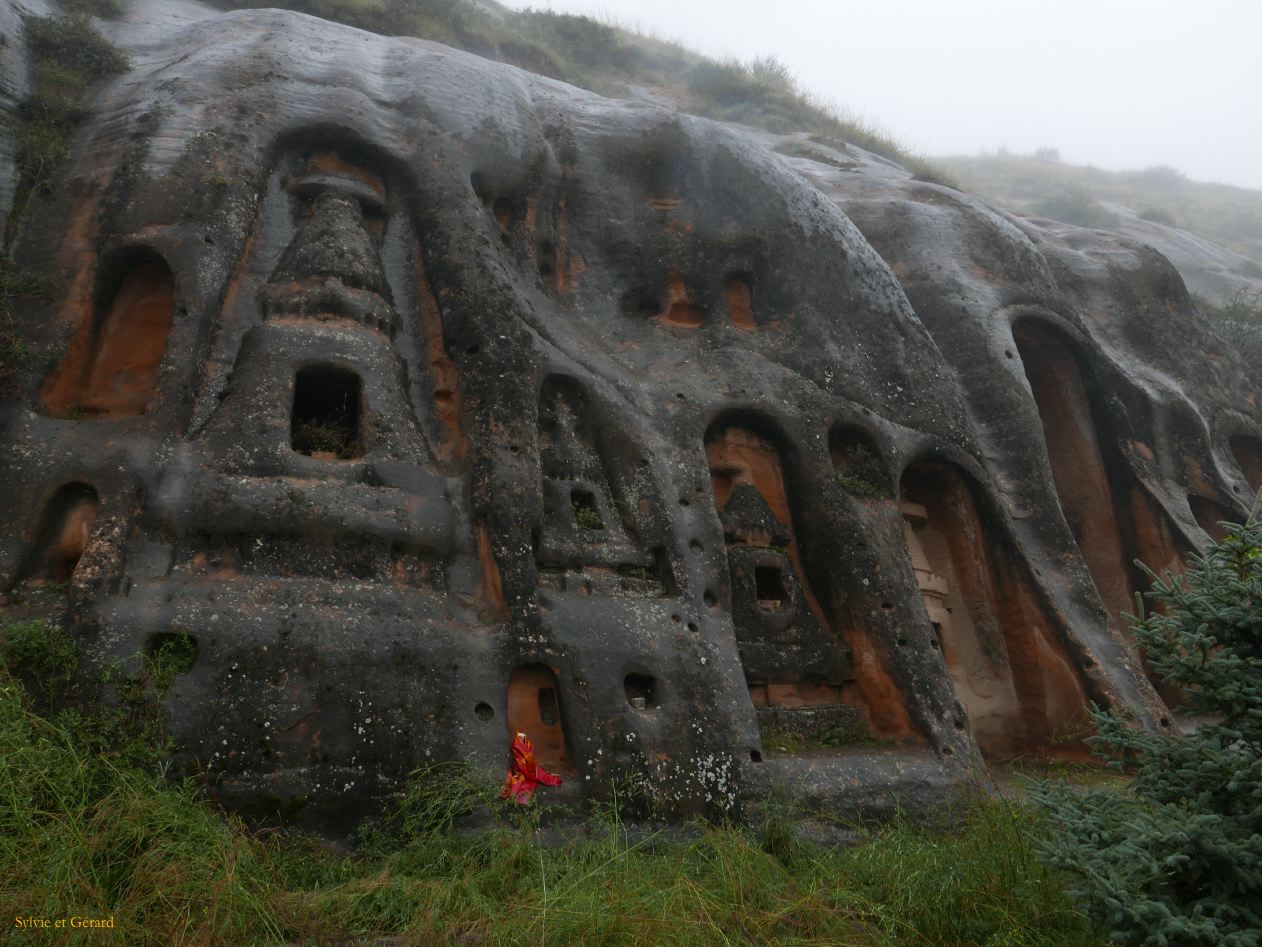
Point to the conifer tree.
(1177, 857)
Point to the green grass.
(93, 829)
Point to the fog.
(1115, 83)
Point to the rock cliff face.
(436, 401)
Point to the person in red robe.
(525, 775)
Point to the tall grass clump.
(89, 826)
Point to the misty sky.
(1116, 83)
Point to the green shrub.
(1178, 859)
(72, 42)
(1238, 322)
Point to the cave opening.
(535, 708)
(325, 419)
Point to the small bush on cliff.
(1178, 859)
(1239, 323)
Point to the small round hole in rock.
(711, 599)
(692, 626)
(695, 545)
(755, 756)
(483, 711)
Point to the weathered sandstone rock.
(436, 400)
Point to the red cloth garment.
(525, 775)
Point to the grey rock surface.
(437, 400)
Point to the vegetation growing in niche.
(862, 473)
(1178, 858)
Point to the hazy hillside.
(608, 59)
(1211, 232)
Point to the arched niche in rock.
(799, 669)
(1008, 667)
(111, 366)
(62, 536)
(1108, 511)
(589, 540)
(1248, 453)
(535, 708)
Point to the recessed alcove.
(1107, 509)
(1009, 669)
(769, 587)
(111, 366)
(62, 536)
(800, 667)
(586, 513)
(738, 291)
(681, 310)
(325, 419)
(534, 708)
(640, 690)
